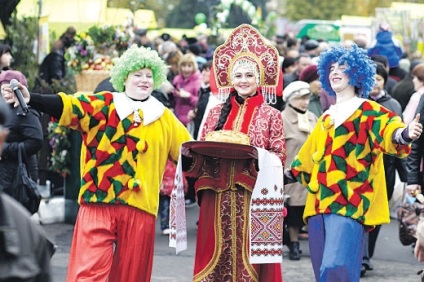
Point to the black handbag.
(24, 189)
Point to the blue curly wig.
(359, 68)
(136, 58)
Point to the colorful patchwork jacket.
(341, 163)
(123, 156)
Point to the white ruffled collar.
(152, 109)
(340, 112)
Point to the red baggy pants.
(112, 243)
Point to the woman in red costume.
(246, 70)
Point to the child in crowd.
(196, 115)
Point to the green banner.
(328, 32)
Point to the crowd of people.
(340, 119)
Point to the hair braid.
(225, 111)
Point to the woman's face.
(301, 102)
(206, 74)
(417, 83)
(139, 84)
(174, 68)
(339, 80)
(378, 85)
(187, 70)
(5, 60)
(244, 81)
(290, 69)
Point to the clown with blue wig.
(341, 164)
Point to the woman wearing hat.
(127, 138)
(341, 164)
(25, 251)
(25, 129)
(298, 125)
(230, 245)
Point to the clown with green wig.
(341, 164)
(127, 138)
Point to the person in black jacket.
(404, 89)
(24, 250)
(415, 180)
(415, 177)
(390, 82)
(24, 129)
(54, 64)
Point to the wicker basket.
(88, 80)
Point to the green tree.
(331, 10)
(183, 13)
(22, 37)
(317, 9)
(182, 16)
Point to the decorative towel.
(267, 211)
(177, 215)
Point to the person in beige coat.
(298, 123)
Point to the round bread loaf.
(228, 136)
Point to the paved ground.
(392, 263)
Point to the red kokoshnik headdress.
(245, 42)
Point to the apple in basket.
(98, 67)
(103, 63)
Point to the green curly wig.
(134, 59)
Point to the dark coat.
(105, 85)
(391, 163)
(26, 130)
(53, 66)
(388, 86)
(204, 94)
(403, 91)
(25, 252)
(413, 162)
